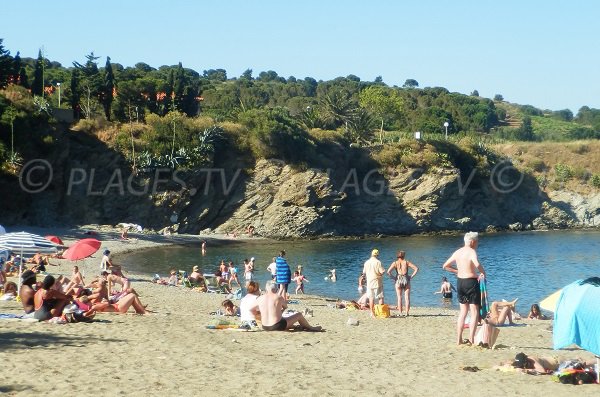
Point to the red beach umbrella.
(82, 249)
(54, 239)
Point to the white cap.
(252, 259)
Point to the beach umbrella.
(576, 316)
(82, 249)
(27, 244)
(54, 239)
(550, 302)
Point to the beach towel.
(485, 306)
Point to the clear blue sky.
(541, 53)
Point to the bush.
(563, 172)
(537, 165)
(90, 125)
(595, 180)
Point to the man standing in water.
(469, 296)
(374, 272)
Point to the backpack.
(382, 311)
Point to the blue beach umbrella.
(27, 245)
(576, 316)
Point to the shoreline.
(171, 351)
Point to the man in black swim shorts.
(468, 271)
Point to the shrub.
(537, 165)
(563, 172)
(595, 180)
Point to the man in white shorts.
(374, 272)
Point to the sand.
(172, 353)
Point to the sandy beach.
(171, 352)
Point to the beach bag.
(486, 335)
(382, 311)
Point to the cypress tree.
(109, 85)
(37, 88)
(75, 93)
(5, 65)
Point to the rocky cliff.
(90, 183)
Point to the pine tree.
(109, 85)
(37, 88)
(23, 81)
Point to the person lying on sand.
(122, 306)
(271, 305)
(535, 313)
(531, 365)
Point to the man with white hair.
(271, 305)
(469, 296)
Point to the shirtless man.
(27, 292)
(402, 278)
(271, 305)
(75, 282)
(469, 296)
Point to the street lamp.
(58, 85)
(446, 124)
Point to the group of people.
(370, 282)
(49, 298)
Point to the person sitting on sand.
(229, 309)
(122, 306)
(446, 289)
(299, 280)
(27, 292)
(39, 263)
(271, 305)
(125, 284)
(500, 311)
(172, 280)
(195, 277)
(48, 302)
(99, 291)
(535, 313)
(76, 283)
(246, 315)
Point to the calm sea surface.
(528, 265)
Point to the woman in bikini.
(49, 302)
(122, 306)
(402, 278)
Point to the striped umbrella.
(27, 244)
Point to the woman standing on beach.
(284, 274)
(402, 278)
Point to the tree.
(338, 108)
(498, 98)
(525, 133)
(410, 83)
(382, 102)
(91, 84)
(37, 87)
(378, 80)
(109, 86)
(475, 93)
(75, 93)
(5, 65)
(247, 75)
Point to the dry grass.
(542, 158)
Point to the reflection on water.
(528, 265)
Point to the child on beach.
(362, 281)
(229, 309)
(299, 279)
(535, 314)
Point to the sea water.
(525, 265)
